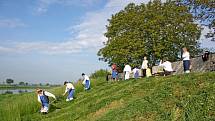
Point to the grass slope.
(174, 98)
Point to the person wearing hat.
(43, 98)
(86, 82)
(70, 89)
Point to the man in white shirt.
(43, 98)
(70, 89)
(86, 82)
(167, 67)
(127, 71)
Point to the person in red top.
(114, 66)
(114, 72)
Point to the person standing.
(186, 60)
(114, 72)
(86, 82)
(70, 89)
(127, 71)
(144, 66)
(43, 98)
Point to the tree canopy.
(9, 81)
(156, 30)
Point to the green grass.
(175, 98)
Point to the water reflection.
(15, 91)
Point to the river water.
(15, 91)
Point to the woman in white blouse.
(186, 60)
(144, 66)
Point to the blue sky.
(50, 41)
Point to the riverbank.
(23, 87)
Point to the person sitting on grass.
(86, 82)
(70, 89)
(43, 98)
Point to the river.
(15, 91)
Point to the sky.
(51, 41)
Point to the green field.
(175, 98)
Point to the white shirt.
(127, 68)
(145, 64)
(85, 79)
(69, 86)
(47, 94)
(167, 66)
(186, 56)
(135, 70)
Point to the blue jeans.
(71, 93)
(87, 85)
(186, 64)
(45, 105)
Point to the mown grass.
(175, 98)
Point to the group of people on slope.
(43, 96)
(146, 72)
(128, 70)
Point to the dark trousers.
(186, 64)
(144, 72)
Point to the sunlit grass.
(174, 98)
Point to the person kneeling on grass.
(86, 82)
(43, 98)
(70, 89)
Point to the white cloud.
(11, 23)
(89, 34)
(43, 5)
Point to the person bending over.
(86, 82)
(167, 67)
(43, 98)
(70, 89)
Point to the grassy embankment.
(174, 98)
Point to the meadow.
(183, 97)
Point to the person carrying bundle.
(43, 98)
(70, 89)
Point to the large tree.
(156, 30)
